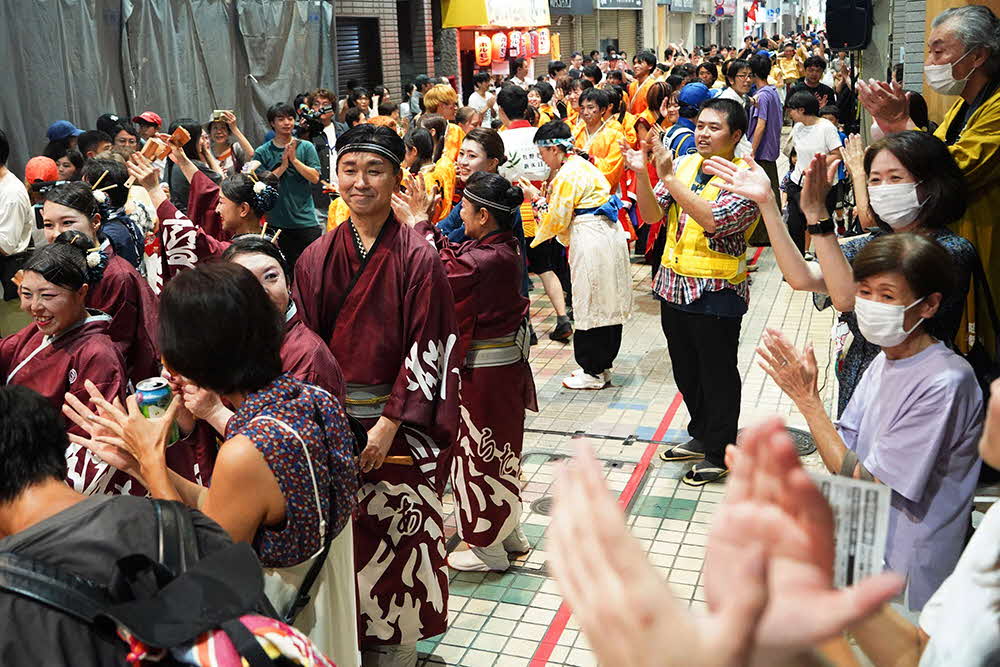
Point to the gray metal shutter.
(589, 41)
(358, 52)
(628, 32)
(563, 26)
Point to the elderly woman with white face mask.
(913, 185)
(915, 416)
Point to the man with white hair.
(963, 58)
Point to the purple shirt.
(914, 424)
(769, 108)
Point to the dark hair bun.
(95, 260)
(514, 196)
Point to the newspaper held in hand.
(861, 526)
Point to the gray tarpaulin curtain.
(77, 59)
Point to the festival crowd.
(307, 340)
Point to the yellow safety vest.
(690, 255)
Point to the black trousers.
(9, 266)
(595, 349)
(703, 355)
(294, 241)
(760, 236)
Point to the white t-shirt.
(810, 140)
(331, 139)
(962, 618)
(523, 159)
(478, 102)
(744, 148)
(15, 215)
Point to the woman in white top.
(811, 136)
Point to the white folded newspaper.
(861, 526)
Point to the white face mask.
(896, 204)
(942, 79)
(882, 323)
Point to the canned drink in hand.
(154, 396)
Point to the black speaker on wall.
(849, 24)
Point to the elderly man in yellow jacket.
(962, 59)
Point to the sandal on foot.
(704, 473)
(692, 450)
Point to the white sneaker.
(585, 381)
(490, 559)
(607, 375)
(517, 542)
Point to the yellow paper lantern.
(528, 48)
(484, 50)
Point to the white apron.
(600, 272)
(330, 618)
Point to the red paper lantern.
(526, 45)
(533, 38)
(499, 46)
(544, 42)
(515, 43)
(484, 50)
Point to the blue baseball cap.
(694, 94)
(62, 129)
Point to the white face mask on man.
(882, 323)
(942, 79)
(895, 204)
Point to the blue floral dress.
(319, 420)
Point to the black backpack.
(165, 603)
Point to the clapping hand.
(793, 371)
(661, 157)
(817, 180)
(635, 159)
(887, 104)
(412, 205)
(854, 158)
(752, 183)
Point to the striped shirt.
(733, 216)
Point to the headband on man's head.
(368, 147)
(486, 203)
(565, 143)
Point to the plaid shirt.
(733, 216)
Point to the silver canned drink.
(154, 396)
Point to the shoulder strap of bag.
(302, 597)
(52, 586)
(178, 545)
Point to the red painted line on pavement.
(549, 641)
(756, 255)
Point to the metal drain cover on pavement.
(542, 505)
(803, 440)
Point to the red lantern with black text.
(499, 46)
(526, 45)
(484, 50)
(535, 47)
(515, 44)
(544, 42)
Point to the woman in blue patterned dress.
(285, 477)
(913, 185)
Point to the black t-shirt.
(819, 91)
(86, 539)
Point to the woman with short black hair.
(285, 477)
(914, 419)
